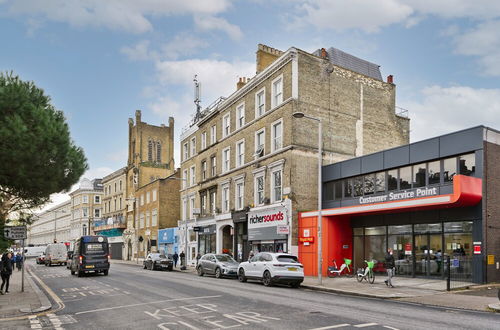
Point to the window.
(240, 116)
(213, 166)
(276, 186)
(191, 208)
(467, 164)
(434, 172)
(226, 125)
(141, 220)
(392, 180)
(154, 218)
(193, 146)
(226, 161)
(380, 182)
(277, 92)
(204, 170)
(84, 230)
(240, 190)
(186, 151)
(97, 199)
(260, 103)
(240, 153)
(192, 176)
(150, 151)
(85, 212)
(419, 172)
(225, 198)
(213, 134)
(338, 190)
(369, 184)
(260, 140)
(147, 219)
(449, 169)
(154, 195)
(120, 203)
(115, 205)
(213, 200)
(276, 135)
(358, 186)
(115, 186)
(259, 190)
(203, 202)
(184, 179)
(184, 209)
(85, 199)
(97, 213)
(120, 185)
(405, 178)
(142, 199)
(203, 140)
(348, 188)
(148, 197)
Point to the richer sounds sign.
(395, 196)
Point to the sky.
(102, 60)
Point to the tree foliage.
(37, 155)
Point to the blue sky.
(102, 60)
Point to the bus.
(90, 254)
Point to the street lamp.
(320, 186)
(55, 223)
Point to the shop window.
(329, 187)
(375, 245)
(369, 182)
(405, 178)
(357, 231)
(467, 164)
(392, 180)
(419, 172)
(338, 189)
(434, 172)
(358, 186)
(449, 169)
(348, 188)
(428, 228)
(380, 182)
(375, 230)
(461, 226)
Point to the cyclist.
(390, 267)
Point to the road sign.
(14, 232)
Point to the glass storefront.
(419, 249)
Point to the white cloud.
(124, 15)
(183, 44)
(477, 9)
(447, 109)
(139, 52)
(208, 23)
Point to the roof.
(353, 63)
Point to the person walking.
(175, 257)
(6, 271)
(389, 266)
(19, 261)
(250, 255)
(183, 259)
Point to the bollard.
(448, 271)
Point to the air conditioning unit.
(259, 152)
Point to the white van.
(56, 254)
(34, 251)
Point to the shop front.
(167, 241)
(269, 229)
(241, 245)
(207, 239)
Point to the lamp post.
(55, 223)
(320, 188)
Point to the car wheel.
(218, 273)
(266, 278)
(170, 268)
(80, 274)
(72, 272)
(295, 285)
(241, 275)
(200, 271)
(152, 266)
(145, 267)
(106, 272)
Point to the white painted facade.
(54, 223)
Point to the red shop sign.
(407, 247)
(306, 239)
(477, 249)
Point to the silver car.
(220, 265)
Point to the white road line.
(365, 325)
(146, 303)
(388, 327)
(333, 326)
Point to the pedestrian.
(175, 257)
(6, 271)
(250, 255)
(198, 257)
(183, 258)
(389, 266)
(19, 261)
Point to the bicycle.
(344, 268)
(367, 272)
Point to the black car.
(158, 261)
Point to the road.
(133, 298)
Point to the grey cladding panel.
(331, 172)
(397, 157)
(351, 167)
(461, 142)
(424, 150)
(372, 163)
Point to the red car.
(40, 259)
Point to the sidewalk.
(416, 290)
(17, 303)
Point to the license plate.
(89, 266)
(293, 269)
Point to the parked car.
(55, 254)
(220, 265)
(90, 254)
(271, 268)
(33, 251)
(69, 256)
(40, 259)
(158, 261)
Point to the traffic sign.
(14, 232)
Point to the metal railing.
(458, 272)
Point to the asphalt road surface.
(134, 298)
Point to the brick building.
(248, 166)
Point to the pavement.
(21, 304)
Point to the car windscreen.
(290, 259)
(224, 258)
(96, 248)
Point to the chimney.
(266, 56)
(324, 54)
(137, 116)
(390, 79)
(241, 82)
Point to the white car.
(271, 268)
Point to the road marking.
(388, 327)
(333, 326)
(146, 303)
(364, 325)
(48, 290)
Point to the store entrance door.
(428, 251)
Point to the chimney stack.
(390, 79)
(241, 82)
(137, 116)
(324, 54)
